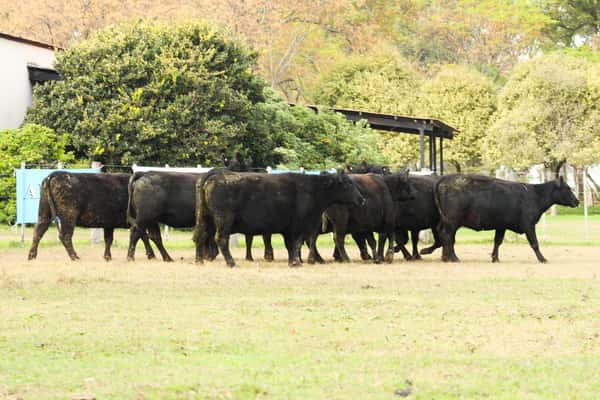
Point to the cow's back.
(92, 200)
(257, 203)
(164, 197)
(480, 202)
(420, 212)
(373, 214)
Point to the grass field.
(150, 330)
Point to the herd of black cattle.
(361, 201)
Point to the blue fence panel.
(29, 182)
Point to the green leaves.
(547, 111)
(153, 93)
(33, 144)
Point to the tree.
(464, 98)
(547, 112)
(151, 93)
(575, 21)
(377, 83)
(32, 144)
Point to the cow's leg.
(147, 246)
(108, 240)
(289, 245)
(296, 243)
(338, 238)
(134, 235)
(65, 235)
(448, 234)
(437, 242)
(498, 238)
(38, 233)
(313, 253)
(361, 243)
(371, 242)
(414, 238)
(401, 240)
(533, 242)
(249, 239)
(200, 241)
(223, 230)
(268, 247)
(154, 234)
(389, 255)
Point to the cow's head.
(563, 195)
(345, 190)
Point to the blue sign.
(29, 182)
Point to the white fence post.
(95, 231)
(23, 166)
(166, 228)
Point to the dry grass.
(517, 329)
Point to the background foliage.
(32, 144)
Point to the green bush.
(153, 93)
(33, 144)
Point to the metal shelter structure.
(429, 128)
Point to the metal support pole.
(422, 147)
(434, 153)
(431, 152)
(442, 155)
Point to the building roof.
(397, 123)
(29, 41)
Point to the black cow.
(377, 215)
(253, 203)
(159, 198)
(417, 214)
(366, 168)
(483, 203)
(87, 200)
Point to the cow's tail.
(131, 215)
(324, 223)
(201, 210)
(436, 198)
(46, 194)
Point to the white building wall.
(15, 88)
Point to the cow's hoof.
(366, 257)
(199, 261)
(31, 257)
(427, 250)
(107, 258)
(231, 264)
(249, 259)
(150, 256)
(130, 258)
(269, 257)
(311, 260)
(295, 264)
(495, 259)
(543, 260)
(389, 259)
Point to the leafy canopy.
(547, 111)
(32, 144)
(150, 93)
